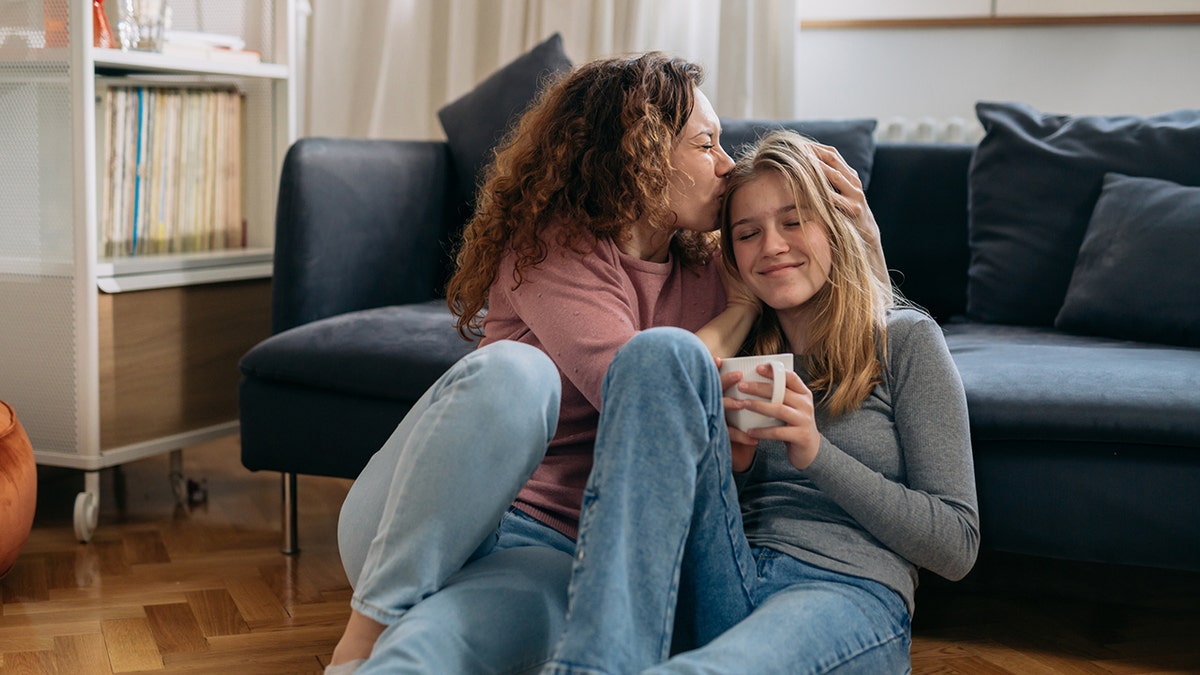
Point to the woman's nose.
(724, 163)
(773, 242)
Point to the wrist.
(751, 305)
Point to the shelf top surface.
(145, 264)
(113, 60)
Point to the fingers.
(729, 379)
(739, 437)
(796, 408)
(764, 390)
(837, 170)
(741, 454)
(849, 197)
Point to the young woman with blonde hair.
(783, 549)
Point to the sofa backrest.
(918, 193)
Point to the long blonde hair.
(847, 334)
(592, 154)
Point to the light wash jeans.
(661, 530)
(426, 535)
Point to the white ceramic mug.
(780, 364)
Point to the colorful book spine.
(171, 158)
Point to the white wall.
(941, 72)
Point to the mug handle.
(779, 379)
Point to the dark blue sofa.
(1085, 448)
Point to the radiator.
(929, 130)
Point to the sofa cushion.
(854, 138)
(390, 352)
(1038, 384)
(476, 121)
(1136, 276)
(1034, 180)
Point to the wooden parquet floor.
(163, 589)
(205, 590)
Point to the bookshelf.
(112, 359)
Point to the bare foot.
(358, 639)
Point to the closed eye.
(745, 235)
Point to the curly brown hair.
(592, 155)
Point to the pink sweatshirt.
(580, 309)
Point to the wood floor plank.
(26, 582)
(294, 589)
(131, 646)
(216, 612)
(255, 601)
(35, 643)
(97, 603)
(959, 665)
(55, 613)
(84, 654)
(276, 641)
(145, 547)
(258, 664)
(19, 627)
(175, 628)
(111, 556)
(29, 663)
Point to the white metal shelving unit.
(50, 273)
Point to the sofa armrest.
(360, 223)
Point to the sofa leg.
(291, 543)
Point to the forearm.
(936, 532)
(725, 334)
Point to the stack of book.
(208, 47)
(171, 165)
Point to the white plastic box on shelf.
(114, 359)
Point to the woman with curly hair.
(791, 548)
(595, 221)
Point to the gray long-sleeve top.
(893, 486)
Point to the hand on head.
(851, 200)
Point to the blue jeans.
(426, 534)
(662, 563)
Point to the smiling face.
(701, 169)
(782, 252)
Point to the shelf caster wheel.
(179, 486)
(87, 512)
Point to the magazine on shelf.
(170, 157)
(208, 47)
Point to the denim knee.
(516, 377)
(669, 367)
(663, 350)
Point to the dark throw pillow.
(1136, 277)
(854, 138)
(1034, 180)
(476, 121)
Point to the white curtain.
(382, 68)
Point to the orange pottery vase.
(18, 487)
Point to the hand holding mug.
(755, 410)
(733, 371)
